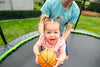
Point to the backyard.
(13, 29)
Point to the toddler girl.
(51, 39)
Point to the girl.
(51, 39)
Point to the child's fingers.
(57, 64)
(38, 54)
(37, 61)
(57, 59)
(54, 66)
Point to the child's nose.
(52, 34)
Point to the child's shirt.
(59, 46)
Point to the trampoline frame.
(26, 40)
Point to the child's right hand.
(36, 60)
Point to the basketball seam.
(47, 54)
(52, 62)
(51, 58)
(42, 58)
(47, 59)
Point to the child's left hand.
(59, 61)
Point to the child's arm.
(36, 50)
(61, 58)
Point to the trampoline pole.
(79, 14)
(2, 36)
(44, 1)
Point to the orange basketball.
(47, 58)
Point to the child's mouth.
(52, 40)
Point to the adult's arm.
(67, 31)
(72, 20)
(41, 23)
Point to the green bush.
(39, 2)
(87, 3)
(4, 15)
(37, 7)
(94, 6)
(78, 3)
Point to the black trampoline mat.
(84, 51)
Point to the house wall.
(16, 4)
(95, 0)
(1, 1)
(22, 4)
(5, 5)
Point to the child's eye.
(56, 32)
(48, 32)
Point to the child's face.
(52, 32)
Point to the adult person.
(69, 11)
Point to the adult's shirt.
(54, 9)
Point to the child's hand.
(59, 61)
(54, 66)
(36, 60)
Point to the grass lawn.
(91, 24)
(13, 29)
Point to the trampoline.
(84, 51)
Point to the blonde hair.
(47, 21)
